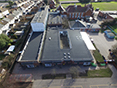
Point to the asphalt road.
(76, 83)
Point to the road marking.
(114, 85)
(79, 86)
(91, 86)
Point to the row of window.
(75, 15)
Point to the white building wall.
(37, 27)
(1, 16)
(5, 12)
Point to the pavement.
(39, 71)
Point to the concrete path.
(76, 83)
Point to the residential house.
(4, 25)
(107, 15)
(61, 10)
(20, 3)
(79, 12)
(3, 12)
(52, 4)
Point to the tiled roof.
(60, 7)
(78, 8)
(3, 22)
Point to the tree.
(57, 1)
(45, 1)
(84, 1)
(4, 41)
(74, 71)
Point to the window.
(69, 15)
(79, 16)
(73, 15)
(82, 15)
(76, 15)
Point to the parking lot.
(102, 43)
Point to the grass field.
(99, 73)
(101, 5)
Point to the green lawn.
(97, 55)
(115, 28)
(99, 73)
(101, 5)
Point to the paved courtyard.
(39, 71)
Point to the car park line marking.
(114, 85)
(79, 86)
(99, 85)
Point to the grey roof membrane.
(40, 16)
(53, 53)
(32, 49)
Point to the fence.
(111, 29)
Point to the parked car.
(109, 34)
(48, 65)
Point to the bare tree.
(74, 71)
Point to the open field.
(101, 5)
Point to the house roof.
(2, 9)
(1, 25)
(54, 19)
(3, 22)
(78, 8)
(60, 7)
(53, 53)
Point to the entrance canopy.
(87, 41)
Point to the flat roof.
(40, 16)
(31, 52)
(53, 53)
(87, 41)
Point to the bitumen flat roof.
(31, 52)
(40, 16)
(53, 53)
